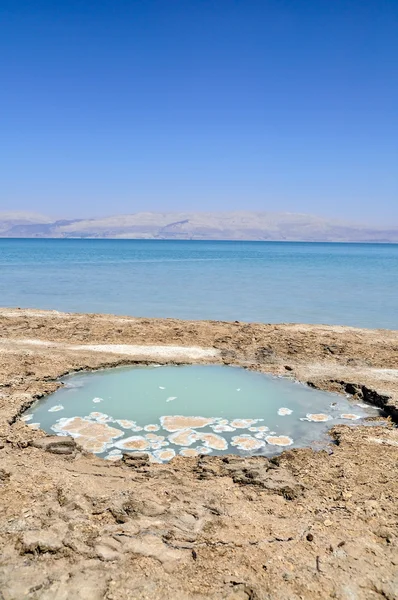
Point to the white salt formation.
(185, 437)
(125, 423)
(219, 428)
(188, 452)
(350, 416)
(243, 423)
(164, 455)
(247, 442)
(178, 422)
(151, 427)
(282, 412)
(317, 418)
(135, 442)
(281, 440)
(93, 436)
(26, 417)
(213, 441)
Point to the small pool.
(190, 410)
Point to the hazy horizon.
(114, 108)
(109, 215)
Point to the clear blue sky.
(118, 106)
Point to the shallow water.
(190, 410)
(271, 282)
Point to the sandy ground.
(304, 525)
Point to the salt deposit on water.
(212, 418)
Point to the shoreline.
(197, 527)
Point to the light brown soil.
(305, 525)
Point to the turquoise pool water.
(168, 410)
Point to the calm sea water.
(348, 284)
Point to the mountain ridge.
(228, 225)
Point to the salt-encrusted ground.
(307, 525)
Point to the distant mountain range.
(239, 225)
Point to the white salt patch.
(125, 423)
(282, 440)
(113, 457)
(185, 437)
(26, 417)
(161, 387)
(165, 352)
(135, 442)
(156, 445)
(179, 422)
(247, 442)
(114, 452)
(153, 437)
(96, 400)
(164, 455)
(361, 405)
(204, 450)
(171, 398)
(152, 427)
(56, 408)
(92, 436)
(238, 389)
(243, 423)
(350, 416)
(188, 452)
(211, 440)
(61, 423)
(105, 419)
(34, 425)
(316, 418)
(219, 428)
(282, 412)
(100, 417)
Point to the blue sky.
(119, 106)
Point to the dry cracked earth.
(306, 524)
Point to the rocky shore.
(303, 525)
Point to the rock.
(265, 354)
(283, 483)
(37, 542)
(119, 514)
(4, 475)
(149, 508)
(136, 460)
(153, 547)
(104, 552)
(56, 444)
(83, 585)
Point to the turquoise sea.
(346, 284)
